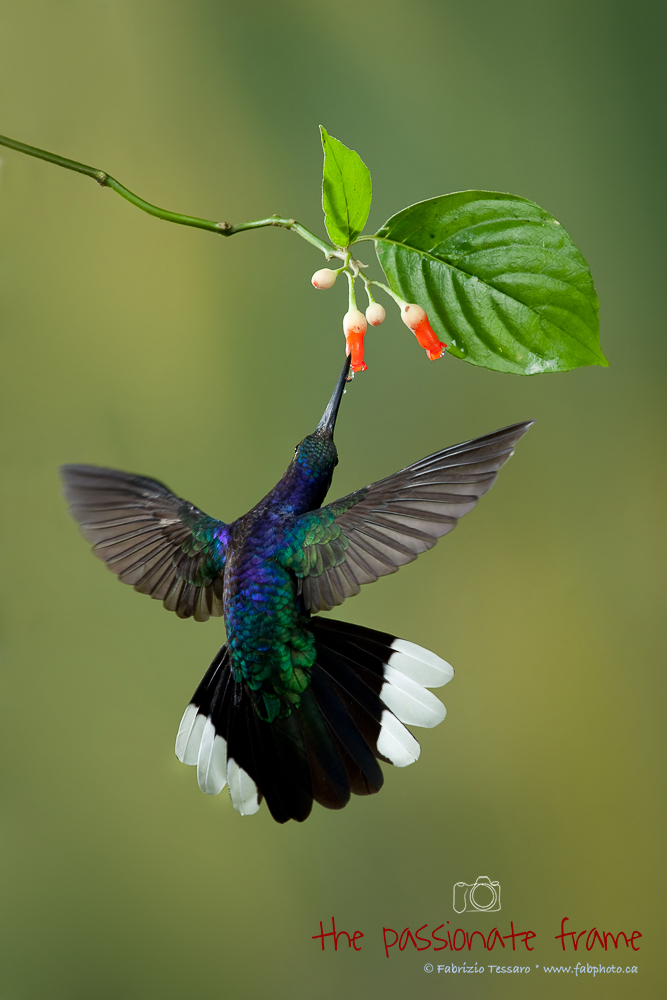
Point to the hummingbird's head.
(316, 455)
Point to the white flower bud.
(375, 314)
(354, 322)
(412, 315)
(324, 278)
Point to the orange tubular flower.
(354, 328)
(415, 319)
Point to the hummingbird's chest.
(260, 604)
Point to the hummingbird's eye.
(295, 450)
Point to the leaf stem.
(221, 228)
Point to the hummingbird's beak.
(328, 421)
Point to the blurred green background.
(167, 351)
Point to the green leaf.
(502, 282)
(346, 191)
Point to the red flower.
(415, 319)
(354, 328)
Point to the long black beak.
(328, 421)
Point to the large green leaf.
(346, 191)
(502, 282)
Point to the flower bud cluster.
(355, 323)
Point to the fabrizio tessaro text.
(458, 939)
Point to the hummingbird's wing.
(151, 539)
(371, 532)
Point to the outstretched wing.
(373, 531)
(159, 544)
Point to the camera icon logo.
(483, 896)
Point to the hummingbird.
(295, 707)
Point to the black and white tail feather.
(366, 685)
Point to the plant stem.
(352, 301)
(226, 229)
(385, 288)
(222, 228)
(367, 284)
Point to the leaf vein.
(460, 270)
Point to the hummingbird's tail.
(365, 684)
